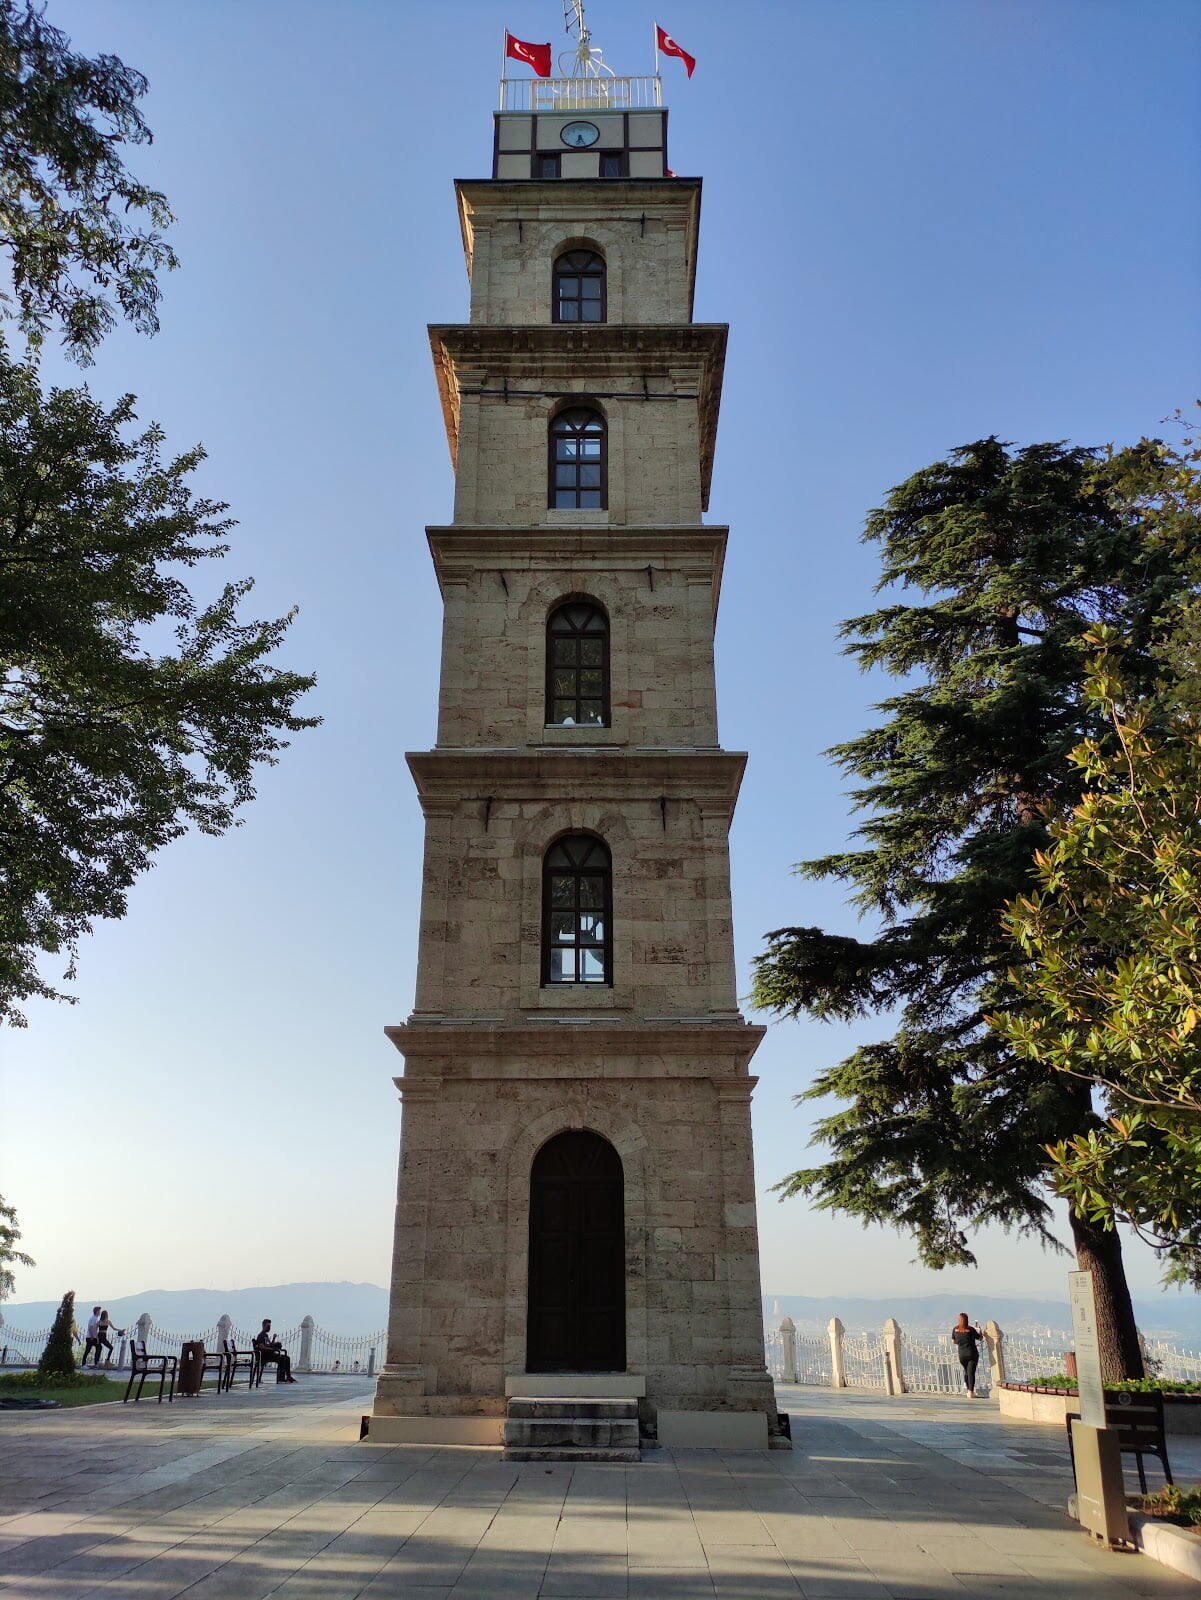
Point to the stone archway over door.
(576, 1320)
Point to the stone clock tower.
(576, 1259)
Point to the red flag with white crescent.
(534, 55)
(670, 48)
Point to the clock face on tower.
(580, 134)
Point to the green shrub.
(58, 1358)
(14, 1382)
(1060, 1380)
(1172, 1501)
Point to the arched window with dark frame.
(579, 479)
(579, 287)
(577, 666)
(577, 901)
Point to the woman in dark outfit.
(968, 1340)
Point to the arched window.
(578, 467)
(579, 291)
(577, 666)
(577, 898)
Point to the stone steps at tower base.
(563, 1429)
(571, 1453)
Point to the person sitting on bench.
(269, 1349)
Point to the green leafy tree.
(10, 1256)
(1014, 555)
(128, 710)
(1111, 993)
(81, 234)
(58, 1358)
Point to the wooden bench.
(1137, 1420)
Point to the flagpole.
(655, 35)
(504, 56)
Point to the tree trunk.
(1099, 1251)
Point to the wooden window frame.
(553, 489)
(552, 667)
(605, 874)
(553, 156)
(556, 299)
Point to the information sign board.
(1088, 1353)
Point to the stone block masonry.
(576, 1203)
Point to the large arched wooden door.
(577, 1310)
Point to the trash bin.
(191, 1367)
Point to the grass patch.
(77, 1391)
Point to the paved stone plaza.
(271, 1494)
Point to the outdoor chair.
(238, 1361)
(216, 1361)
(1137, 1419)
(256, 1376)
(143, 1366)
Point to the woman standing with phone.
(968, 1339)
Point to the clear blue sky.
(925, 220)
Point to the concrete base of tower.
(744, 1419)
(713, 1430)
(383, 1429)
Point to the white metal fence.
(865, 1360)
(930, 1365)
(312, 1348)
(1172, 1361)
(581, 94)
(1028, 1358)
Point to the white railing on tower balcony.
(581, 94)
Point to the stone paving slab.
(270, 1494)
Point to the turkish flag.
(670, 48)
(534, 55)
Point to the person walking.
(967, 1339)
(103, 1329)
(92, 1337)
(269, 1349)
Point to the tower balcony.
(581, 94)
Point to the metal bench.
(143, 1366)
(1137, 1419)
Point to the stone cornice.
(721, 1048)
(552, 359)
(710, 777)
(460, 548)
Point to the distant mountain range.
(363, 1308)
(1170, 1316)
(336, 1307)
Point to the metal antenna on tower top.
(586, 60)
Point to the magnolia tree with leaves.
(128, 711)
(80, 233)
(129, 708)
(997, 563)
(10, 1256)
(1110, 992)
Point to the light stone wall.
(646, 237)
(481, 909)
(654, 470)
(493, 685)
(496, 1064)
(682, 1129)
